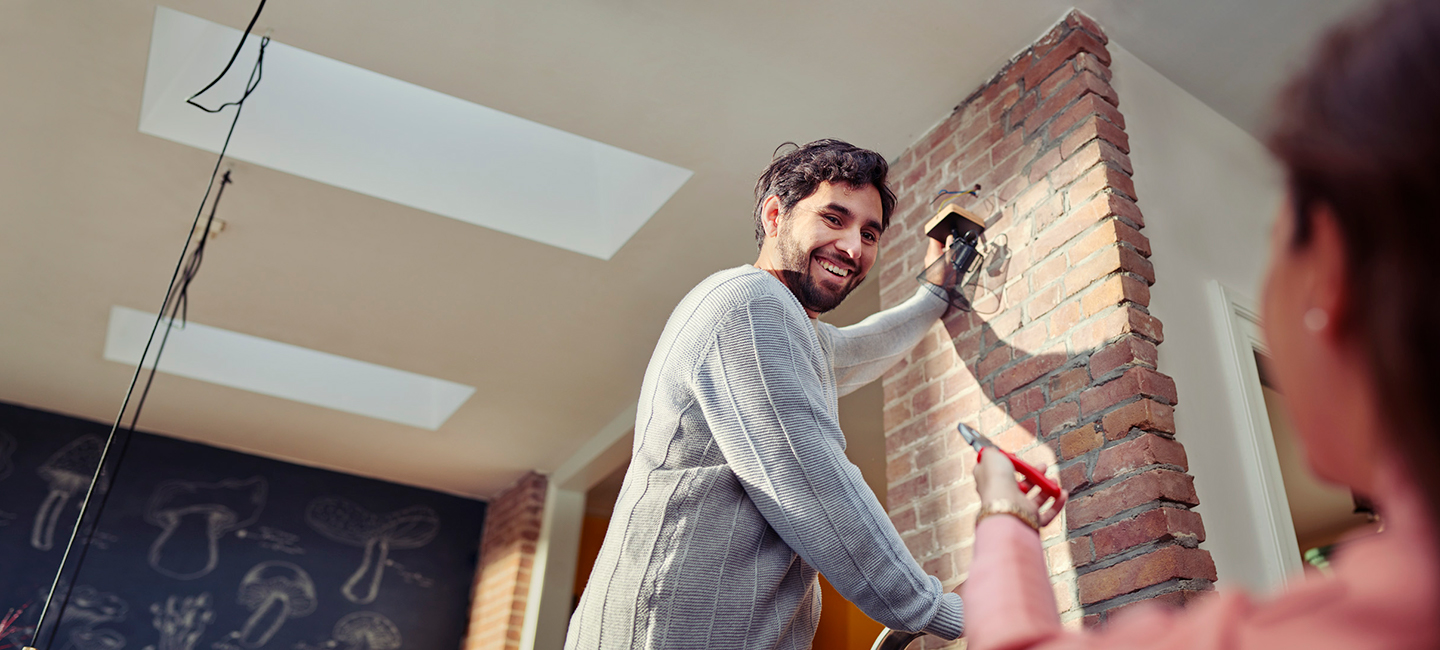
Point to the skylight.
(338, 124)
(287, 371)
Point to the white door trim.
(1238, 323)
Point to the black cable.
(248, 88)
(173, 290)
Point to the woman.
(1352, 314)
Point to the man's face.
(828, 242)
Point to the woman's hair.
(1358, 131)
(797, 173)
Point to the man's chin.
(820, 299)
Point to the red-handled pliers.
(1033, 477)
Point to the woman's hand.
(995, 481)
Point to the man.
(738, 489)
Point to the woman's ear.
(1329, 292)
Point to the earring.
(1316, 319)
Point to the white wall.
(1208, 191)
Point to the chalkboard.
(205, 548)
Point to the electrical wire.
(176, 292)
(974, 192)
(249, 87)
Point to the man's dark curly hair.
(796, 174)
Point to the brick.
(1032, 337)
(1048, 271)
(908, 491)
(904, 383)
(898, 468)
(1102, 177)
(1042, 165)
(1032, 197)
(1168, 563)
(1080, 441)
(1027, 371)
(1144, 451)
(1115, 290)
(1057, 417)
(1020, 111)
(1172, 600)
(942, 567)
(1059, 77)
(991, 418)
(1089, 105)
(1064, 317)
(894, 416)
(1028, 401)
(920, 542)
(1073, 43)
(1103, 262)
(1082, 551)
(1145, 414)
(905, 519)
(1046, 43)
(1082, 85)
(1074, 476)
(994, 361)
(1011, 165)
(1048, 212)
(1042, 301)
(1126, 319)
(1077, 19)
(1068, 382)
(1091, 129)
(1109, 233)
(939, 366)
(1157, 485)
(1158, 525)
(1135, 381)
(1126, 351)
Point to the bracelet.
(1006, 507)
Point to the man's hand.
(995, 481)
(935, 249)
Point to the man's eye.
(831, 218)
(870, 236)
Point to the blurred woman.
(1352, 315)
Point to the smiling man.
(739, 490)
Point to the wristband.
(1006, 507)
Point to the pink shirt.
(1383, 593)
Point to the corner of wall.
(1063, 369)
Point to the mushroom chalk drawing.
(193, 517)
(90, 639)
(88, 608)
(366, 631)
(181, 621)
(274, 592)
(346, 522)
(68, 471)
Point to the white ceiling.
(94, 212)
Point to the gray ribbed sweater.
(739, 489)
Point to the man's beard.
(795, 272)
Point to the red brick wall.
(507, 558)
(1064, 370)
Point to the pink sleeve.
(1010, 604)
(1008, 599)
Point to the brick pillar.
(507, 558)
(1064, 369)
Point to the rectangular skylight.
(288, 371)
(338, 124)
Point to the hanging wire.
(254, 76)
(176, 300)
(973, 192)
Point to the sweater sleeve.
(865, 350)
(759, 388)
